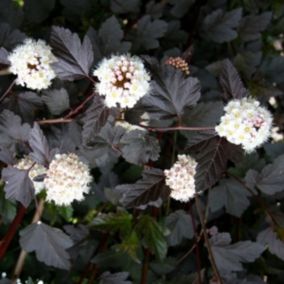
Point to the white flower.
(180, 178)
(67, 179)
(35, 170)
(31, 62)
(276, 134)
(123, 80)
(245, 123)
(129, 127)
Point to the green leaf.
(231, 195)
(153, 236)
(220, 26)
(114, 222)
(8, 209)
(180, 225)
(130, 245)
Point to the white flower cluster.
(35, 170)
(181, 178)
(31, 62)
(129, 127)
(18, 280)
(123, 80)
(245, 123)
(67, 179)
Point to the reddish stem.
(69, 117)
(145, 267)
(174, 128)
(5, 242)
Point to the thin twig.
(54, 121)
(197, 251)
(23, 254)
(8, 91)
(5, 72)
(207, 242)
(69, 117)
(197, 240)
(175, 128)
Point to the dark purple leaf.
(220, 26)
(57, 100)
(4, 56)
(180, 226)
(229, 257)
(231, 83)
(148, 191)
(18, 185)
(12, 129)
(271, 179)
(75, 59)
(95, 118)
(251, 26)
(275, 245)
(148, 33)
(114, 278)
(6, 156)
(212, 156)
(231, 195)
(48, 243)
(38, 143)
(10, 38)
(171, 94)
(111, 35)
(138, 147)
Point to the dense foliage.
(123, 226)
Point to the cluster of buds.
(178, 63)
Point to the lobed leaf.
(231, 83)
(220, 26)
(231, 195)
(48, 243)
(18, 185)
(180, 225)
(148, 191)
(75, 58)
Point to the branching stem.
(207, 242)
